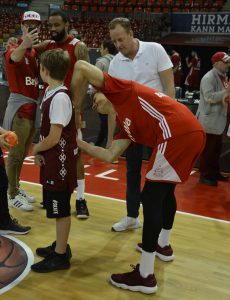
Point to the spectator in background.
(75, 34)
(192, 81)
(176, 61)
(212, 114)
(148, 64)
(22, 69)
(108, 50)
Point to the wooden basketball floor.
(200, 271)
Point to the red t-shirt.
(145, 115)
(23, 78)
(69, 46)
(176, 61)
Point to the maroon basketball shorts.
(173, 160)
(57, 203)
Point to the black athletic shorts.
(57, 204)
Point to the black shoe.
(14, 227)
(42, 204)
(46, 251)
(207, 181)
(82, 211)
(221, 177)
(52, 262)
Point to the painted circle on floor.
(15, 261)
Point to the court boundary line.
(123, 201)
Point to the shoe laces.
(14, 221)
(133, 266)
(81, 204)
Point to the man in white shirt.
(148, 64)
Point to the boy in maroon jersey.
(56, 155)
(58, 24)
(148, 117)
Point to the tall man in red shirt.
(151, 118)
(22, 69)
(192, 81)
(176, 61)
(59, 28)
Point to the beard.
(57, 37)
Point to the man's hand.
(11, 42)
(226, 98)
(3, 143)
(39, 160)
(29, 38)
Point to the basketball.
(11, 138)
(13, 261)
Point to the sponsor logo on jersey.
(31, 81)
(127, 123)
(55, 207)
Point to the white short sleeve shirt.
(60, 108)
(150, 60)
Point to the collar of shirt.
(139, 52)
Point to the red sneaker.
(133, 281)
(165, 253)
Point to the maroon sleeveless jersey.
(59, 172)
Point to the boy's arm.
(51, 140)
(109, 155)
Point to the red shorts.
(172, 161)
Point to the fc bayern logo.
(15, 261)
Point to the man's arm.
(81, 53)
(209, 94)
(167, 81)
(84, 73)
(41, 47)
(108, 155)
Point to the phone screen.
(31, 28)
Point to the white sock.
(164, 236)
(147, 263)
(80, 189)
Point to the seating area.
(157, 6)
(93, 28)
(13, 2)
(9, 23)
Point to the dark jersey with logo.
(59, 171)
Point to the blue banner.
(201, 23)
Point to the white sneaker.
(126, 223)
(29, 198)
(19, 202)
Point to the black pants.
(209, 159)
(103, 132)
(4, 210)
(133, 179)
(159, 208)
